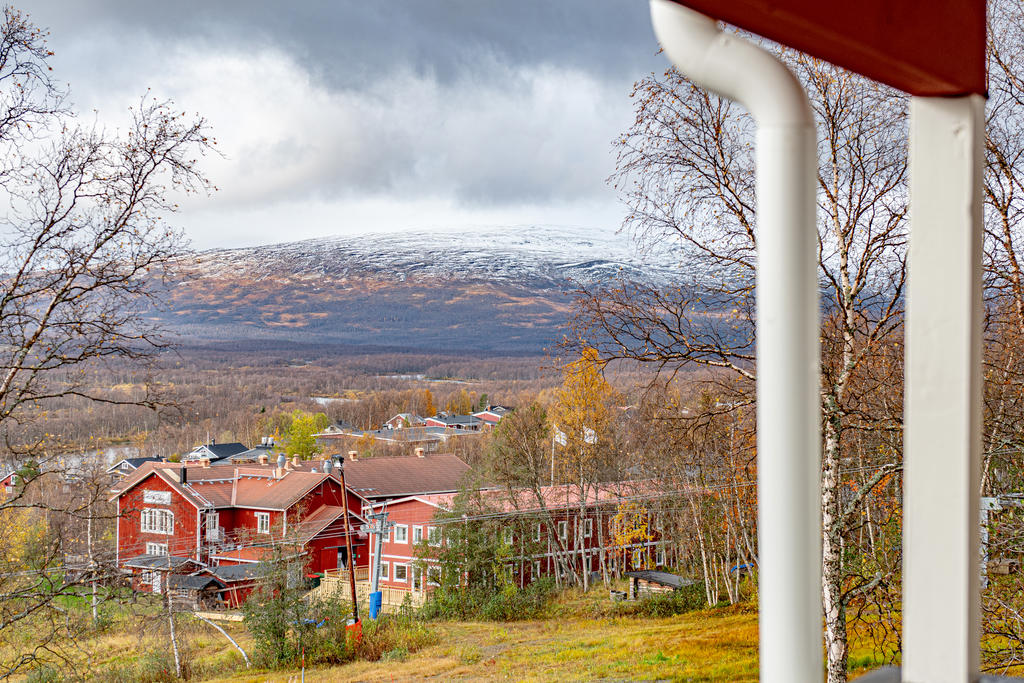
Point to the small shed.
(195, 592)
(646, 581)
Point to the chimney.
(264, 459)
(205, 462)
(263, 441)
(279, 472)
(184, 474)
(281, 460)
(295, 461)
(353, 455)
(419, 453)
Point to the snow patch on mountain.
(538, 257)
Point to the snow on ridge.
(541, 255)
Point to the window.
(156, 549)
(536, 569)
(434, 575)
(563, 530)
(536, 532)
(213, 526)
(157, 521)
(588, 528)
(434, 535)
(384, 570)
(401, 534)
(417, 579)
(506, 535)
(659, 558)
(263, 522)
(401, 573)
(148, 578)
(417, 534)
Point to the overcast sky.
(339, 117)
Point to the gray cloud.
(505, 109)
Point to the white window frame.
(417, 578)
(506, 535)
(262, 522)
(434, 536)
(563, 530)
(148, 578)
(433, 570)
(157, 521)
(659, 557)
(156, 549)
(588, 527)
(537, 532)
(417, 534)
(401, 533)
(405, 571)
(384, 570)
(536, 570)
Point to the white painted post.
(788, 360)
(942, 412)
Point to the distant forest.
(235, 392)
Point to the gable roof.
(389, 477)
(238, 572)
(454, 419)
(249, 486)
(320, 519)
(133, 463)
(196, 583)
(218, 450)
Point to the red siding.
(132, 541)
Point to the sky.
(339, 117)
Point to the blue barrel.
(375, 601)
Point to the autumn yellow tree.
(581, 421)
(630, 534)
(428, 403)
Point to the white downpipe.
(788, 372)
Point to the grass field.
(581, 639)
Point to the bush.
(506, 604)
(151, 667)
(393, 637)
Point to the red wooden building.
(542, 538)
(203, 518)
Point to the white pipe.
(788, 373)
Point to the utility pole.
(348, 541)
(379, 526)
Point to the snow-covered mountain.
(533, 256)
(493, 289)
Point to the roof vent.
(328, 465)
(420, 453)
(281, 460)
(353, 455)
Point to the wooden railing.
(337, 587)
(362, 574)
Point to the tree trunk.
(170, 621)
(831, 558)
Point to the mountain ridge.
(494, 289)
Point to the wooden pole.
(348, 541)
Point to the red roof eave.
(931, 49)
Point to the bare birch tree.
(84, 244)
(686, 171)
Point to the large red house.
(543, 534)
(200, 518)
